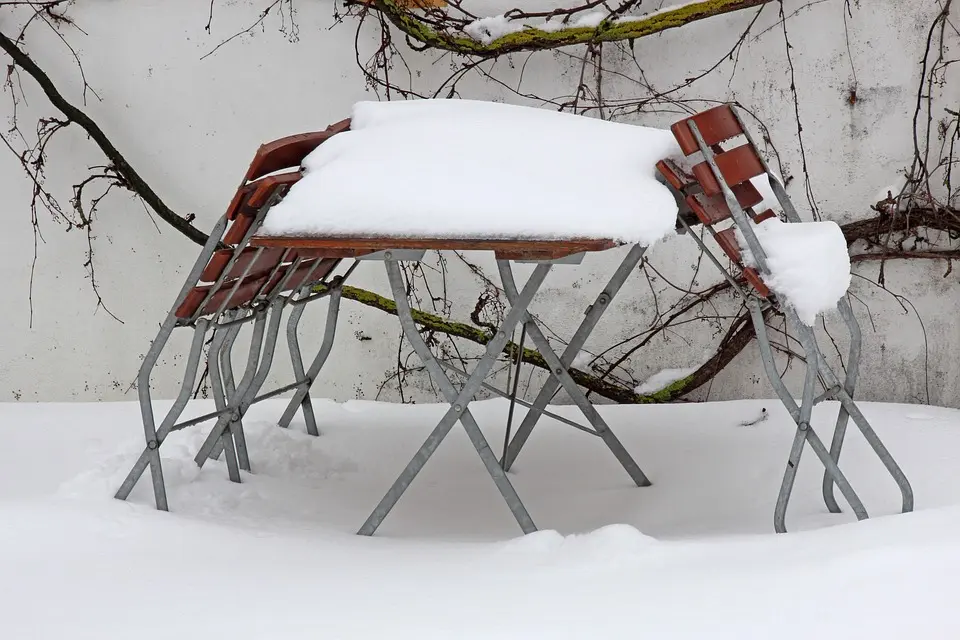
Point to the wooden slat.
(191, 302)
(300, 275)
(736, 166)
(268, 259)
(239, 201)
(264, 188)
(251, 285)
(237, 229)
(677, 177)
(416, 4)
(747, 194)
(710, 211)
(727, 239)
(713, 209)
(555, 254)
(245, 293)
(289, 152)
(751, 276)
(715, 125)
(766, 215)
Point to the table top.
(344, 247)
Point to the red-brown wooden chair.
(718, 189)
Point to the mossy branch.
(601, 387)
(535, 39)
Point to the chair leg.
(151, 455)
(801, 415)
(840, 429)
(230, 454)
(263, 371)
(154, 437)
(221, 370)
(301, 397)
(223, 422)
(848, 408)
(257, 371)
(222, 396)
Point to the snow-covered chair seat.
(808, 262)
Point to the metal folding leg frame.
(817, 368)
(222, 384)
(590, 320)
(301, 397)
(154, 436)
(225, 430)
(558, 372)
(256, 374)
(459, 399)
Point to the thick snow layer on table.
(473, 169)
(809, 263)
(692, 556)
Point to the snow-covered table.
(461, 169)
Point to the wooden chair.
(719, 189)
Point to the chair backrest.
(702, 191)
(718, 125)
(285, 153)
(289, 152)
(238, 275)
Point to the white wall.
(190, 127)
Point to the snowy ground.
(693, 556)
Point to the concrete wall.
(190, 124)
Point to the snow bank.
(692, 556)
(808, 261)
(472, 169)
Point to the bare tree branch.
(131, 178)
